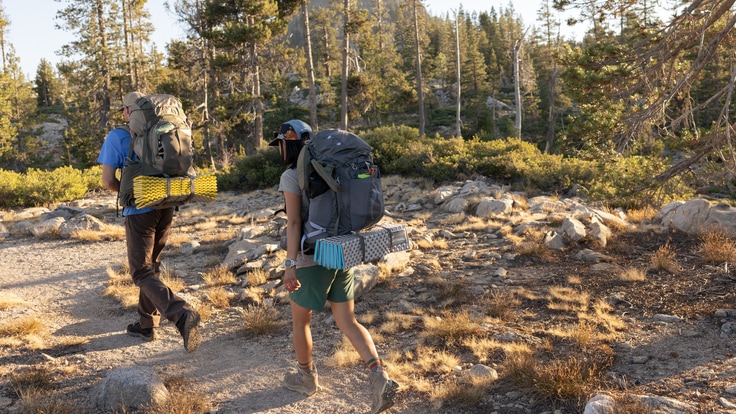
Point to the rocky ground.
(675, 345)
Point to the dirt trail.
(63, 283)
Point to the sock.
(375, 365)
(307, 366)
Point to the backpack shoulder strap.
(304, 168)
(326, 173)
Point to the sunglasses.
(288, 136)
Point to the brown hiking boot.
(383, 390)
(302, 381)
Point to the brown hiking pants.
(146, 236)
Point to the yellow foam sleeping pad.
(154, 191)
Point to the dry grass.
(344, 356)
(453, 219)
(31, 380)
(177, 238)
(185, 399)
(219, 276)
(716, 246)
(261, 319)
(631, 404)
(121, 288)
(219, 297)
(428, 242)
(632, 274)
(23, 327)
(569, 379)
(449, 328)
(110, 232)
(567, 299)
(48, 403)
(253, 294)
(500, 304)
(665, 259)
(257, 277)
(458, 395)
(396, 323)
(219, 237)
(171, 279)
(639, 215)
(482, 348)
(10, 300)
(120, 284)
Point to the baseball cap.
(292, 130)
(129, 99)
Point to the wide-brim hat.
(129, 99)
(293, 130)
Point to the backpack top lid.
(298, 127)
(129, 100)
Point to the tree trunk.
(105, 93)
(310, 67)
(517, 87)
(458, 120)
(127, 45)
(551, 118)
(258, 132)
(420, 86)
(344, 76)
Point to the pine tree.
(47, 85)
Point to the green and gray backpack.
(160, 146)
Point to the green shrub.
(249, 173)
(46, 187)
(9, 183)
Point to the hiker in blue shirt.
(146, 232)
(311, 285)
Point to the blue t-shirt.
(113, 153)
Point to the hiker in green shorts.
(311, 285)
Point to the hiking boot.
(187, 326)
(148, 334)
(302, 381)
(383, 391)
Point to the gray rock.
(129, 388)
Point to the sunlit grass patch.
(344, 356)
(716, 246)
(559, 379)
(260, 319)
(665, 259)
(110, 232)
(567, 299)
(219, 276)
(168, 275)
(499, 303)
(219, 297)
(184, 399)
(257, 277)
(28, 331)
(638, 215)
(121, 288)
(10, 300)
(632, 274)
(449, 328)
(396, 323)
(467, 393)
(482, 348)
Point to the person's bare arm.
(109, 179)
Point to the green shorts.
(320, 284)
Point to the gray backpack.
(341, 186)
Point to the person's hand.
(291, 283)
